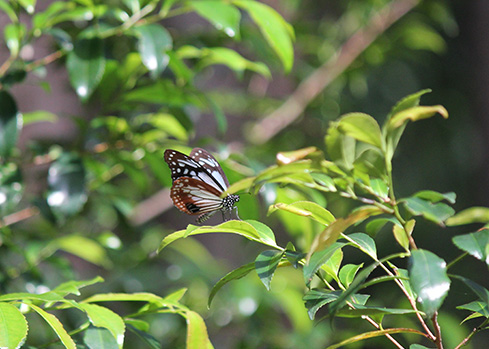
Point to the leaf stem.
(471, 334)
(436, 325)
(456, 260)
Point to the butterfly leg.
(203, 217)
(236, 212)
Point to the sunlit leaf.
(347, 273)
(364, 243)
(73, 286)
(39, 116)
(10, 123)
(477, 244)
(274, 28)
(154, 42)
(476, 306)
(197, 337)
(56, 325)
(287, 157)
(417, 113)
(428, 278)
(362, 127)
(307, 209)
(318, 259)
(434, 196)
(470, 215)
(86, 65)
(222, 15)
(341, 148)
(265, 265)
(374, 334)
(14, 34)
(13, 326)
(28, 5)
(85, 248)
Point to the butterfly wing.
(207, 161)
(182, 165)
(194, 196)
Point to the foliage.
(71, 210)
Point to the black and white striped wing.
(182, 165)
(194, 196)
(207, 161)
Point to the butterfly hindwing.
(193, 196)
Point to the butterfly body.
(198, 184)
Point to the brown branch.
(18, 216)
(151, 207)
(329, 71)
(436, 325)
(45, 60)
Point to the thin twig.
(436, 325)
(329, 71)
(19, 216)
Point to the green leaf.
(13, 326)
(102, 317)
(315, 299)
(39, 116)
(154, 42)
(86, 65)
(347, 273)
(5, 7)
(363, 310)
(67, 185)
(250, 229)
(222, 15)
(56, 326)
(428, 278)
(10, 124)
(469, 215)
(332, 265)
(151, 341)
(341, 148)
(307, 209)
(265, 265)
(437, 213)
(434, 196)
(373, 334)
(362, 127)
(233, 60)
(477, 244)
(364, 242)
(87, 249)
(318, 259)
(170, 125)
(28, 5)
(274, 28)
(233, 275)
(73, 286)
(476, 306)
(197, 337)
(14, 34)
(357, 283)
(415, 114)
(128, 297)
(480, 291)
(374, 226)
(99, 338)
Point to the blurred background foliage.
(104, 87)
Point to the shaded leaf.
(73, 287)
(154, 42)
(434, 196)
(347, 273)
(87, 249)
(151, 341)
(364, 242)
(480, 291)
(428, 278)
(103, 317)
(318, 259)
(233, 275)
(315, 299)
(477, 244)
(99, 338)
(86, 65)
(13, 326)
(265, 265)
(363, 310)
(294, 257)
(10, 123)
(233, 60)
(438, 212)
(477, 307)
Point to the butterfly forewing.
(193, 196)
(207, 161)
(182, 165)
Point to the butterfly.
(198, 184)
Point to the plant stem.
(471, 334)
(456, 260)
(436, 325)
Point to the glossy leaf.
(287, 157)
(99, 338)
(274, 28)
(434, 196)
(73, 287)
(56, 326)
(315, 299)
(103, 317)
(428, 278)
(363, 310)
(197, 337)
(307, 209)
(10, 124)
(470, 215)
(222, 15)
(28, 5)
(362, 127)
(86, 65)
(154, 42)
(13, 326)
(477, 244)
(477, 307)
(67, 185)
(265, 265)
(438, 212)
(233, 60)
(233, 275)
